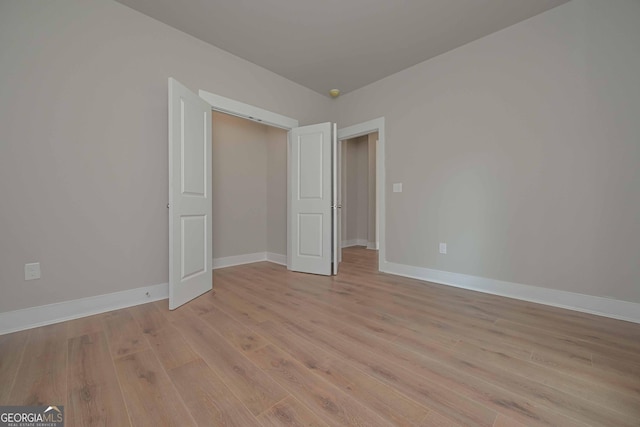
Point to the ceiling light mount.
(334, 93)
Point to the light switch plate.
(397, 187)
(443, 248)
(32, 271)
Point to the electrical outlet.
(397, 187)
(32, 271)
(443, 248)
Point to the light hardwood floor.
(269, 347)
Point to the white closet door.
(190, 205)
(310, 212)
(335, 202)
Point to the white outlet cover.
(443, 248)
(32, 271)
(397, 187)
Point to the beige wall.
(239, 186)
(356, 200)
(351, 196)
(344, 188)
(362, 172)
(521, 151)
(83, 149)
(372, 139)
(249, 187)
(276, 191)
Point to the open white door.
(190, 205)
(310, 186)
(335, 213)
(339, 172)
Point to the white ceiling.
(343, 44)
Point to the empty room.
(297, 213)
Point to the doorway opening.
(249, 191)
(358, 191)
(311, 192)
(276, 124)
(366, 128)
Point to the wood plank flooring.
(270, 347)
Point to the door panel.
(310, 231)
(193, 249)
(310, 234)
(190, 205)
(310, 174)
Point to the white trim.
(364, 129)
(32, 317)
(230, 261)
(372, 245)
(277, 258)
(608, 307)
(354, 242)
(240, 109)
(360, 129)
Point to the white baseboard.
(18, 320)
(354, 242)
(277, 258)
(230, 261)
(32, 317)
(372, 245)
(608, 307)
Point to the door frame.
(246, 111)
(365, 128)
(260, 115)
